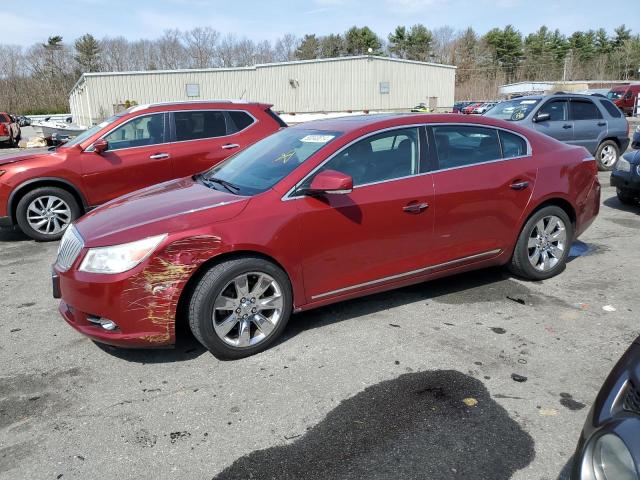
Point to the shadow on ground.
(413, 427)
(615, 203)
(12, 235)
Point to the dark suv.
(589, 121)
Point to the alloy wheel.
(48, 215)
(248, 309)
(608, 156)
(547, 243)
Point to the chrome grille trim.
(632, 400)
(70, 247)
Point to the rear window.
(584, 110)
(458, 145)
(4, 118)
(276, 117)
(611, 108)
(239, 120)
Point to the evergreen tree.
(87, 53)
(358, 41)
(309, 48)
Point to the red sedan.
(43, 192)
(319, 213)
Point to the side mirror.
(100, 146)
(542, 117)
(330, 182)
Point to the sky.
(36, 20)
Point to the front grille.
(70, 247)
(632, 399)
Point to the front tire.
(543, 245)
(607, 155)
(625, 197)
(240, 307)
(45, 213)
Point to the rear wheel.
(543, 244)
(240, 307)
(45, 213)
(607, 155)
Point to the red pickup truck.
(9, 130)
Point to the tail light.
(3, 129)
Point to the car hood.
(169, 207)
(22, 156)
(633, 156)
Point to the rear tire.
(543, 245)
(607, 155)
(45, 213)
(625, 197)
(229, 327)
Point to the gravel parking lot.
(414, 383)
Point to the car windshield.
(90, 132)
(262, 165)
(615, 94)
(513, 110)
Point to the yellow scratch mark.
(285, 157)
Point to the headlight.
(119, 258)
(623, 165)
(612, 459)
(638, 169)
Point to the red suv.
(318, 213)
(44, 192)
(9, 130)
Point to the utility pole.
(567, 65)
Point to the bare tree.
(201, 44)
(172, 53)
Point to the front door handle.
(159, 156)
(519, 185)
(602, 124)
(229, 146)
(566, 125)
(415, 207)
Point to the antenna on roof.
(245, 91)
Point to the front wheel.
(625, 197)
(543, 245)
(45, 213)
(607, 155)
(240, 307)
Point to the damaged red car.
(318, 213)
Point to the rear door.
(558, 126)
(137, 157)
(483, 180)
(203, 138)
(589, 126)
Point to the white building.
(323, 85)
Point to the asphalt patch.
(413, 427)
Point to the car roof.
(557, 95)
(195, 104)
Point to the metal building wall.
(351, 83)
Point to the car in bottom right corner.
(626, 178)
(609, 446)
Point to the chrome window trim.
(408, 274)
(89, 149)
(288, 196)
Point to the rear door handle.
(229, 146)
(602, 124)
(159, 156)
(566, 125)
(519, 185)
(415, 207)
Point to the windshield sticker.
(317, 138)
(285, 157)
(518, 115)
(528, 102)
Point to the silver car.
(589, 121)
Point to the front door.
(137, 157)
(483, 183)
(558, 126)
(381, 231)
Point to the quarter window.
(557, 109)
(139, 132)
(512, 145)
(239, 120)
(613, 110)
(584, 110)
(385, 156)
(458, 145)
(199, 124)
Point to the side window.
(199, 124)
(613, 110)
(139, 132)
(557, 109)
(459, 145)
(584, 110)
(512, 145)
(388, 155)
(238, 121)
